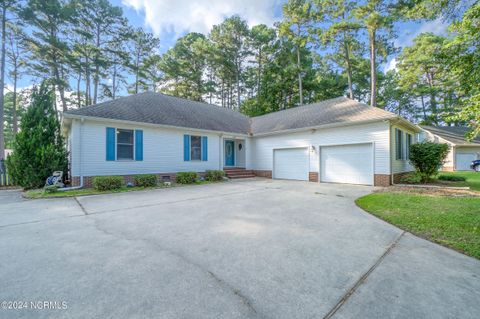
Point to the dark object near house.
(475, 165)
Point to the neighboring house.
(462, 152)
(338, 140)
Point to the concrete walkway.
(248, 249)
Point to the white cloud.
(391, 65)
(178, 16)
(437, 26)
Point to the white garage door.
(463, 161)
(292, 163)
(352, 164)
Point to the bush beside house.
(39, 148)
(186, 177)
(106, 183)
(214, 175)
(145, 180)
(427, 158)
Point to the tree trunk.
(238, 85)
(114, 79)
(97, 68)
(2, 83)
(87, 82)
(373, 69)
(59, 85)
(14, 106)
(79, 80)
(137, 71)
(56, 74)
(222, 94)
(349, 67)
(424, 110)
(259, 73)
(300, 89)
(433, 99)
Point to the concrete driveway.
(247, 249)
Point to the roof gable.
(452, 134)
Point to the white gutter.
(80, 166)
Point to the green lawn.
(39, 193)
(450, 221)
(473, 178)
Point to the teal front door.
(229, 153)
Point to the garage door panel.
(463, 161)
(291, 164)
(352, 164)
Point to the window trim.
(408, 143)
(201, 151)
(399, 144)
(117, 143)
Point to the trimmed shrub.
(452, 178)
(39, 148)
(145, 180)
(427, 157)
(411, 178)
(106, 183)
(186, 177)
(214, 175)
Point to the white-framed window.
(125, 144)
(407, 146)
(195, 148)
(399, 153)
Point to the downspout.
(391, 151)
(220, 157)
(80, 159)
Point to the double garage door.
(352, 164)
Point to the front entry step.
(235, 173)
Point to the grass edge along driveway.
(450, 221)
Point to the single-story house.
(461, 153)
(337, 140)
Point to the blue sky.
(170, 19)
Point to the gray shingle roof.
(338, 110)
(157, 108)
(453, 134)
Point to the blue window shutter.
(138, 145)
(186, 147)
(110, 144)
(204, 148)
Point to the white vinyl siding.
(162, 151)
(378, 132)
